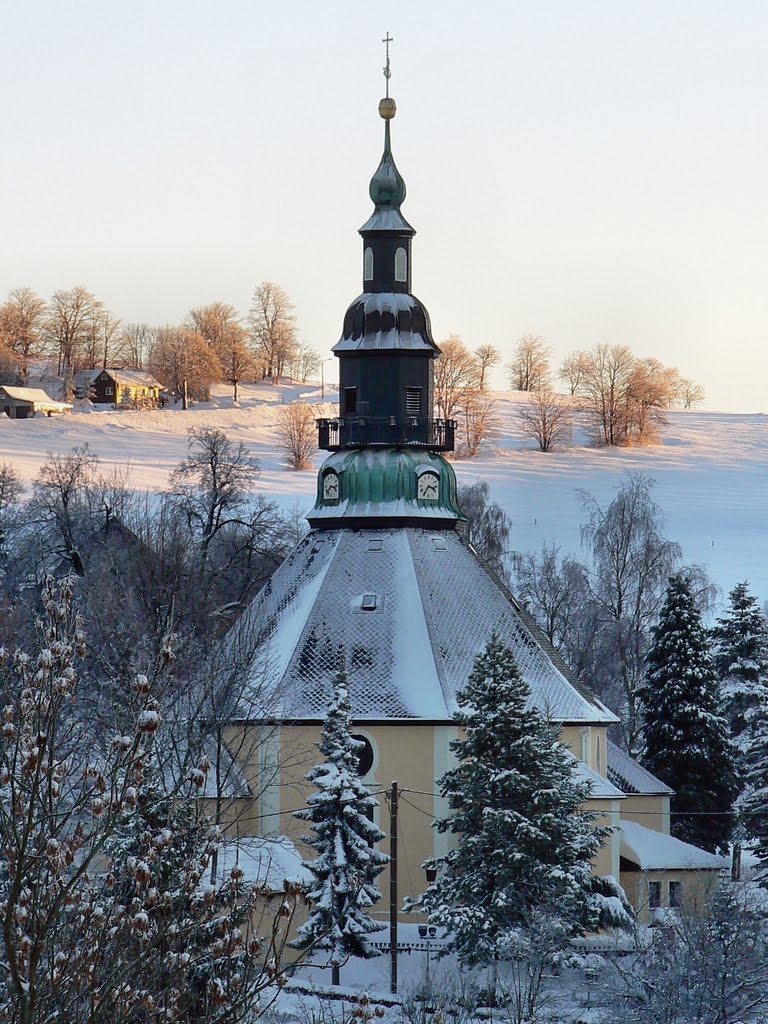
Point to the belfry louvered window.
(368, 264)
(413, 401)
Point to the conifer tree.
(741, 660)
(524, 844)
(753, 818)
(686, 738)
(347, 861)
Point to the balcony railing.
(389, 431)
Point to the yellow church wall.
(607, 860)
(696, 887)
(589, 743)
(650, 811)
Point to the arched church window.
(368, 264)
(364, 755)
(401, 265)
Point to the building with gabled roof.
(386, 582)
(23, 403)
(120, 388)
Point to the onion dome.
(387, 188)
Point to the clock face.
(428, 487)
(330, 487)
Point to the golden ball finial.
(387, 108)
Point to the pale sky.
(593, 171)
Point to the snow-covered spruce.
(741, 659)
(686, 736)
(524, 843)
(347, 860)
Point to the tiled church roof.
(434, 606)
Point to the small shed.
(22, 403)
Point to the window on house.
(413, 401)
(109, 391)
(401, 265)
(654, 895)
(368, 265)
(675, 894)
(350, 401)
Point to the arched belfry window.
(401, 265)
(368, 264)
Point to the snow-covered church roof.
(657, 851)
(631, 777)
(409, 609)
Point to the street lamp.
(322, 376)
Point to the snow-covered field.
(711, 469)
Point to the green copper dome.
(387, 192)
(392, 486)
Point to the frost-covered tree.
(741, 659)
(344, 837)
(686, 737)
(104, 917)
(753, 805)
(523, 841)
(709, 967)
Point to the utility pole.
(393, 886)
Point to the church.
(386, 580)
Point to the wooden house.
(127, 389)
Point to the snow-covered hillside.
(711, 470)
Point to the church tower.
(386, 583)
(385, 469)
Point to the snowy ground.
(711, 469)
(427, 983)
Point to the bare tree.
(606, 385)
(546, 419)
(529, 368)
(554, 589)
(69, 326)
(211, 491)
(707, 966)
(631, 563)
(691, 393)
(21, 323)
(488, 525)
(101, 342)
(306, 363)
(61, 500)
(219, 323)
(11, 491)
(273, 329)
(486, 357)
(455, 376)
(478, 424)
(297, 434)
(135, 343)
(185, 363)
(573, 371)
(102, 860)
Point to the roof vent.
(375, 545)
(368, 603)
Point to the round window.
(364, 755)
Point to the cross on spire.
(387, 73)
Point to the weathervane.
(387, 73)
